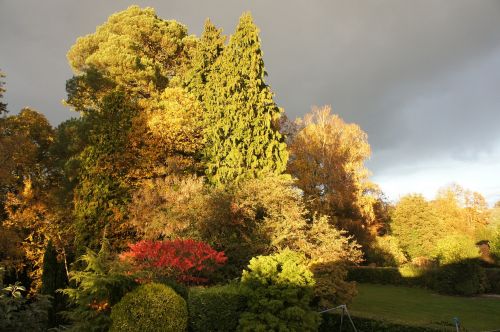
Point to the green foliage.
(416, 225)
(252, 217)
(329, 251)
(53, 275)
(279, 289)
(465, 277)
(99, 286)
(411, 271)
(376, 275)
(216, 309)
(134, 50)
(493, 276)
(242, 138)
(102, 194)
(18, 313)
(207, 50)
(454, 248)
(150, 308)
(495, 244)
(386, 251)
(331, 285)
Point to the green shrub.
(279, 289)
(18, 313)
(411, 271)
(331, 287)
(151, 307)
(461, 278)
(215, 308)
(385, 251)
(455, 248)
(98, 287)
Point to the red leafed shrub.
(188, 261)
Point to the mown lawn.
(422, 307)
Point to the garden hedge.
(215, 309)
(466, 277)
(493, 277)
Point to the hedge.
(384, 276)
(493, 276)
(215, 308)
(466, 277)
(332, 322)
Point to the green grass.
(422, 307)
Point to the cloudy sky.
(422, 78)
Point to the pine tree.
(241, 136)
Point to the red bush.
(188, 261)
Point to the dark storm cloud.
(421, 77)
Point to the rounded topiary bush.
(151, 307)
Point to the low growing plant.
(18, 313)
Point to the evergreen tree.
(102, 193)
(53, 278)
(207, 51)
(3, 106)
(417, 226)
(241, 136)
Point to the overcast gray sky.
(422, 78)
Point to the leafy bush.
(18, 313)
(216, 308)
(188, 261)
(97, 288)
(279, 289)
(462, 278)
(455, 248)
(329, 251)
(331, 286)
(412, 271)
(151, 307)
(386, 251)
(495, 244)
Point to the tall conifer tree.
(242, 138)
(207, 51)
(3, 106)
